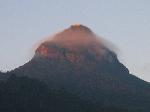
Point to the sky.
(125, 23)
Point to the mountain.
(85, 66)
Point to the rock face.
(77, 60)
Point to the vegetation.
(27, 95)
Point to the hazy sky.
(126, 23)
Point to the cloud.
(78, 39)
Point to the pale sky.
(126, 23)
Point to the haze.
(124, 23)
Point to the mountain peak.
(80, 27)
(75, 43)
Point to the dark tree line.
(23, 94)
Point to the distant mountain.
(81, 63)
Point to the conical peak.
(75, 40)
(80, 27)
(75, 36)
